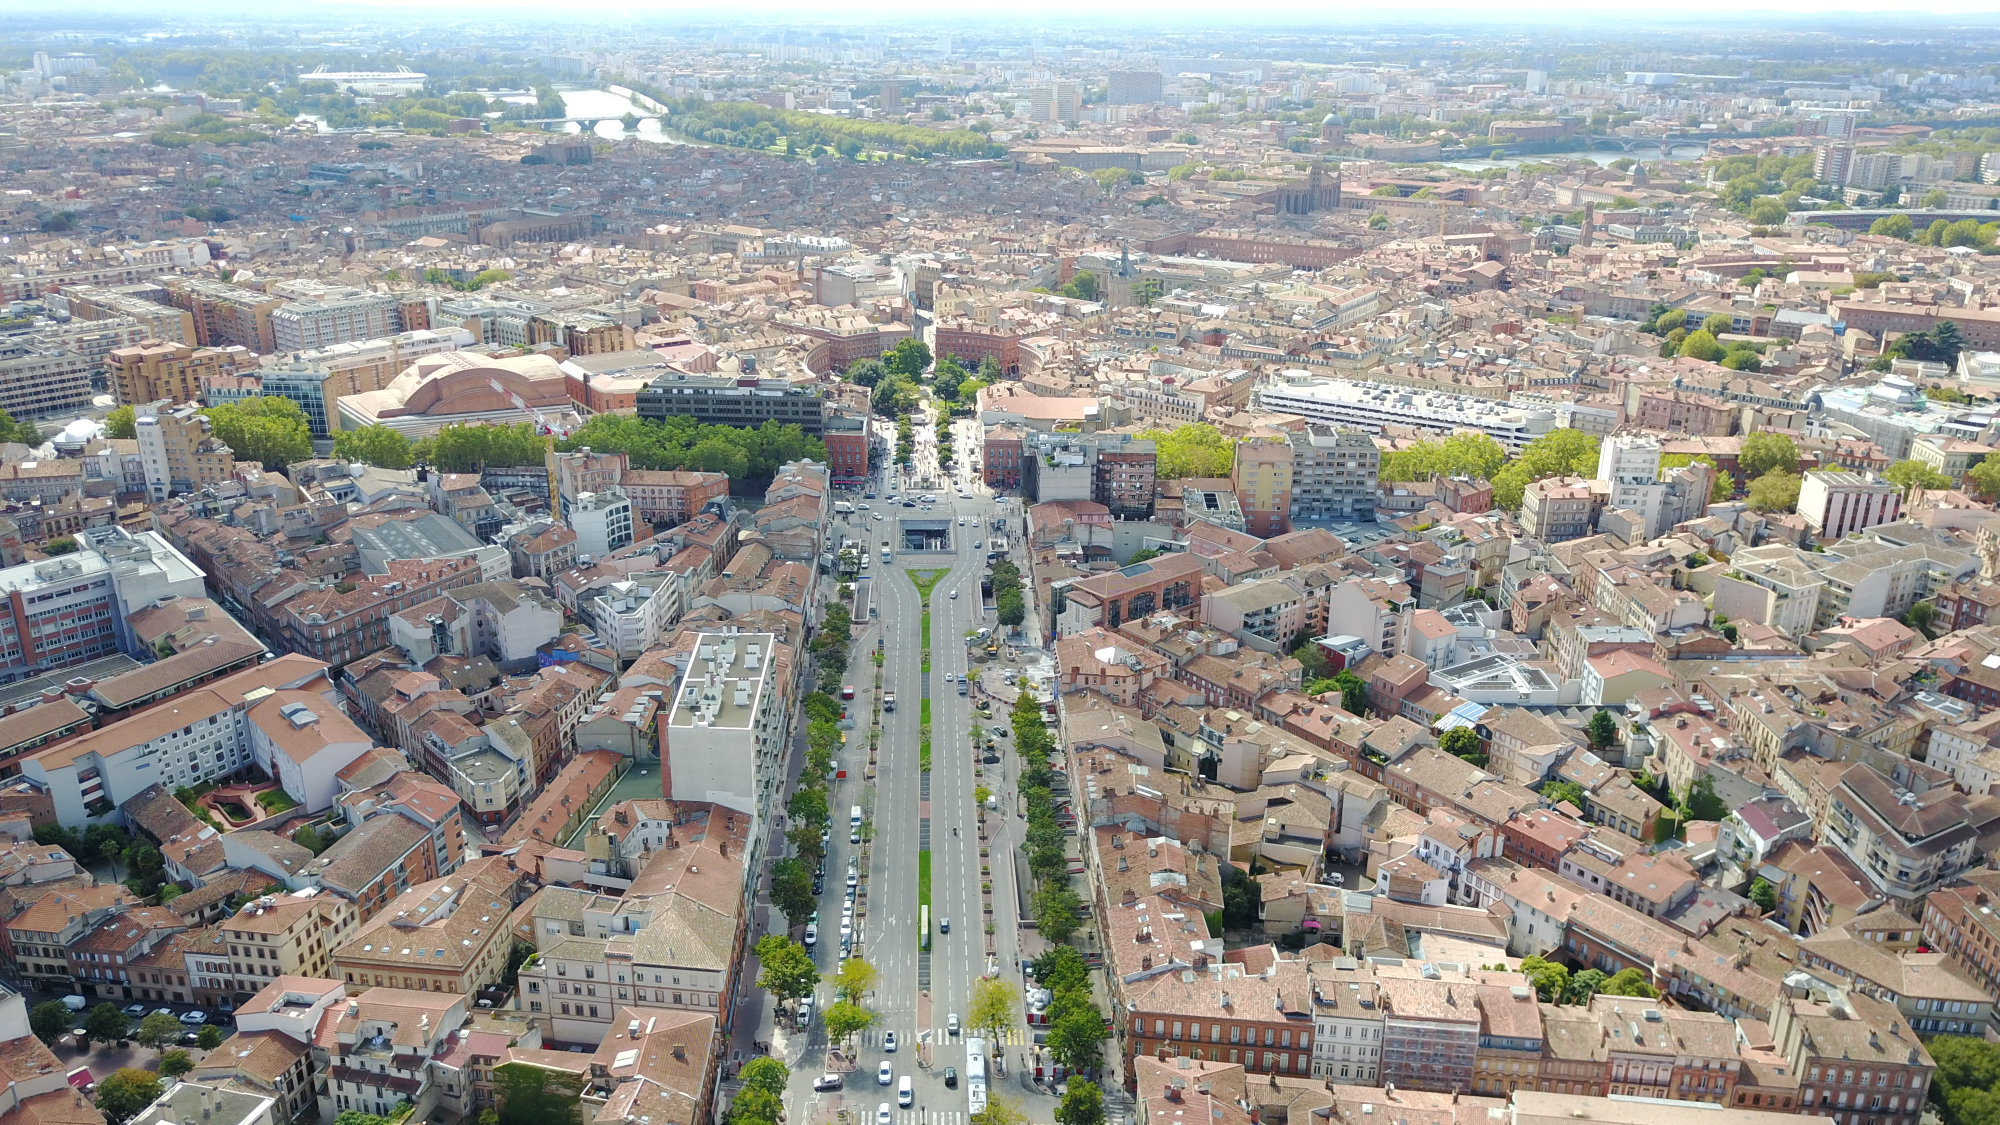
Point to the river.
(1599, 157)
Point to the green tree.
(50, 1020)
(1082, 1104)
(1699, 344)
(1081, 287)
(123, 1093)
(845, 1020)
(785, 969)
(854, 979)
(991, 1009)
(1669, 320)
(376, 445)
(1554, 454)
(910, 357)
(157, 1031)
(121, 423)
(1584, 985)
(1763, 894)
(1775, 491)
(1557, 792)
(766, 1074)
(1767, 212)
(1894, 226)
(209, 1037)
(1146, 291)
(1463, 742)
(1076, 1038)
(268, 429)
(1630, 982)
(175, 1063)
(530, 1095)
(754, 1106)
(1718, 323)
(1935, 200)
(1602, 729)
(1702, 803)
(106, 1023)
(1764, 451)
(1353, 692)
(1058, 911)
(999, 1111)
(1194, 450)
(1907, 475)
(791, 889)
(1549, 979)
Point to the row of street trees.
(1058, 911)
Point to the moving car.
(889, 1042)
(944, 927)
(827, 1082)
(951, 1025)
(884, 1075)
(882, 1113)
(951, 1077)
(905, 1092)
(954, 595)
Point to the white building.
(72, 608)
(198, 735)
(724, 734)
(1837, 501)
(632, 615)
(302, 741)
(335, 318)
(1371, 406)
(602, 521)
(1630, 464)
(184, 1103)
(1347, 1026)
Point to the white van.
(854, 817)
(905, 1093)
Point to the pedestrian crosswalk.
(873, 1038)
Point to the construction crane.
(543, 423)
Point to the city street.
(905, 820)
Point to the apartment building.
(602, 521)
(192, 738)
(1959, 921)
(542, 550)
(271, 1052)
(1334, 474)
(1262, 1021)
(1877, 954)
(160, 320)
(36, 383)
(1123, 476)
(105, 960)
(225, 314)
(1509, 1057)
(1557, 509)
(1262, 480)
(1906, 841)
(1347, 1024)
(1835, 503)
(1430, 1033)
(179, 453)
(39, 937)
(723, 740)
(1857, 1060)
(168, 371)
(748, 401)
(1370, 406)
(335, 318)
(406, 831)
(277, 936)
(336, 624)
(673, 940)
(670, 497)
(443, 935)
(384, 1046)
(75, 608)
(1136, 591)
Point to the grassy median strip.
(924, 877)
(926, 581)
(924, 734)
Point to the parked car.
(827, 1082)
(195, 1017)
(135, 1010)
(812, 935)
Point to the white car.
(951, 1025)
(812, 936)
(194, 1017)
(884, 1076)
(882, 1111)
(889, 1043)
(954, 595)
(961, 521)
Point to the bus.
(975, 1074)
(924, 928)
